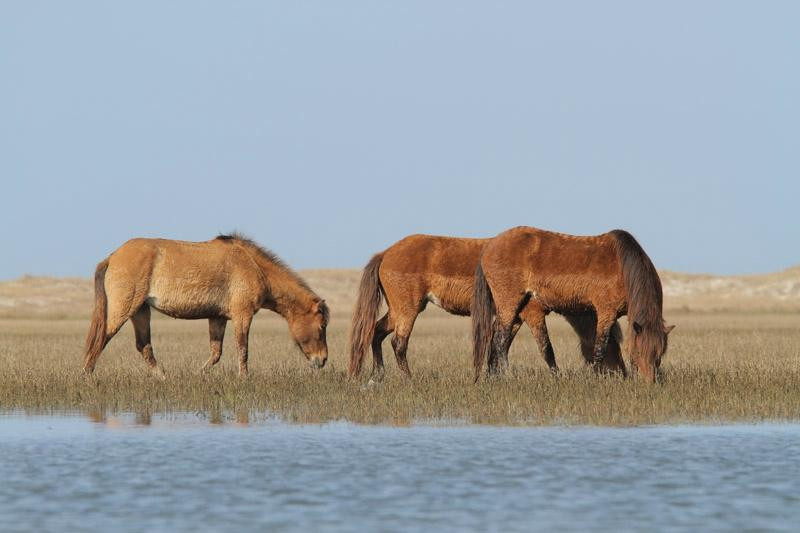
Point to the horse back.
(186, 279)
(562, 272)
(429, 268)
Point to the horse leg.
(216, 333)
(613, 360)
(505, 325)
(141, 330)
(502, 335)
(383, 328)
(534, 316)
(400, 341)
(585, 325)
(497, 362)
(605, 321)
(118, 313)
(241, 327)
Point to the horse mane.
(645, 297)
(270, 256)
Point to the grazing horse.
(227, 278)
(525, 273)
(441, 270)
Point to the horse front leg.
(605, 321)
(216, 334)
(241, 326)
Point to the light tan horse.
(228, 278)
(422, 269)
(525, 273)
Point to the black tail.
(482, 312)
(362, 328)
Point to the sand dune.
(779, 291)
(39, 296)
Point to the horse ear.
(637, 328)
(667, 329)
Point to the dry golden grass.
(720, 367)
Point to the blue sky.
(328, 130)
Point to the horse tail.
(643, 286)
(482, 311)
(96, 338)
(362, 328)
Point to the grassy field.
(721, 367)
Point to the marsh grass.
(719, 368)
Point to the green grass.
(719, 368)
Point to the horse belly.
(456, 304)
(186, 304)
(561, 301)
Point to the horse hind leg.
(118, 314)
(216, 334)
(502, 335)
(507, 321)
(402, 333)
(383, 328)
(534, 316)
(499, 363)
(141, 329)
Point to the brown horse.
(441, 270)
(525, 273)
(228, 278)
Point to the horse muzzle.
(317, 362)
(646, 374)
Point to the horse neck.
(284, 293)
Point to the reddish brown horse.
(228, 278)
(441, 270)
(525, 273)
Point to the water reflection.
(118, 420)
(143, 418)
(216, 417)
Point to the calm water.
(69, 473)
